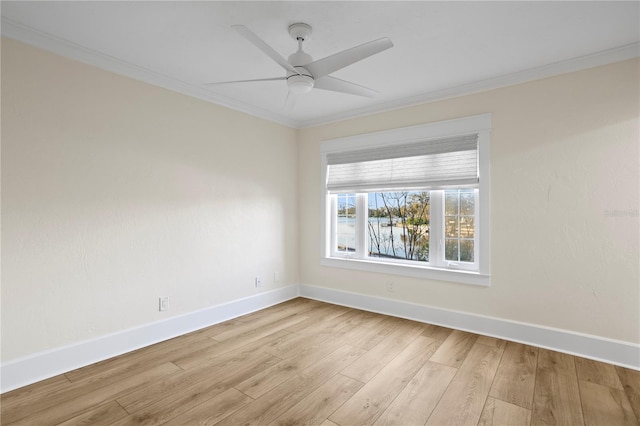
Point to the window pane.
(459, 231)
(451, 250)
(398, 225)
(467, 226)
(346, 243)
(467, 202)
(466, 250)
(451, 226)
(346, 223)
(451, 202)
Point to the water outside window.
(398, 225)
(346, 226)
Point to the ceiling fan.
(304, 74)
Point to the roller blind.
(435, 164)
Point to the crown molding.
(31, 36)
(604, 57)
(28, 35)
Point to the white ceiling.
(441, 49)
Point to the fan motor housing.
(300, 83)
(300, 59)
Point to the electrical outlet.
(390, 287)
(163, 303)
(258, 282)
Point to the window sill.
(458, 276)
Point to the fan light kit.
(299, 83)
(304, 74)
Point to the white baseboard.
(611, 351)
(43, 365)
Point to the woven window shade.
(434, 164)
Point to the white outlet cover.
(164, 303)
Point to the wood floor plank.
(630, 380)
(28, 395)
(598, 372)
(293, 306)
(603, 405)
(214, 382)
(292, 345)
(219, 327)
(229, 368)
(310, 307)
(254, 320)
(333, 319)
(380, 355)
(556, 397)
(305, 360)
(318, 405)
(246, 342)
(436, 332)
(491, 341)
(67, 409)
(101, 415)
(455, 348)
(262, 323)
(271, 405)
(213, 410)
(500, 413)
(375, 396)
(357, 317)
(372, 336)
(372, 319)
(516, 375)
(414, 404)
(144, 355)
(235, 322)
(269, 378)
(131, 363)
(464, 399)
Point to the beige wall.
(564, 162)
(115, 192)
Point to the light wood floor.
(306, 362)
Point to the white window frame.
(480, 275)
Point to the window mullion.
(476, 229)
(436, 233)
(333, 225)
(459, 221)
(362, 215)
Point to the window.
(398, 225)
(346, 223)
(410, 201)
(459, 220)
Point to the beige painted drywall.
(115, 192)
(564, 208)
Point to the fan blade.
(326, 66)
(289, 101)
(246, 81)
(260, 44)
(337, 85)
